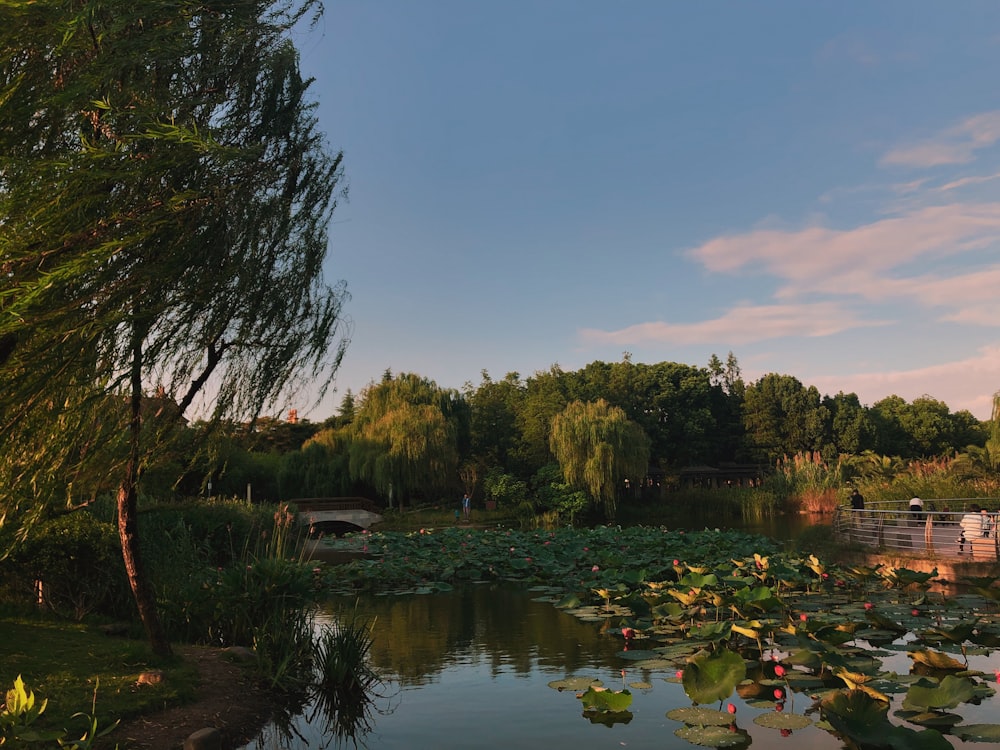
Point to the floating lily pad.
(639, 654)
(930, 718)
(714, 736)
(775, 720)
(700, 715)
(639, 685)
(977, 732)
(654, 664)
(575, 683)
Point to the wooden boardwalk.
(889, 527)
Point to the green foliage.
(598, 448)
(20, 712)
(710, 676)
(73, 563)
(505, 489)
(404, 438)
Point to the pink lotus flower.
(595, 568)
(779, 693)
(680, 674)
(628, 633)
(779, 670)
(677, 562)
(803, 617)
(731, 708)
(915, 612)
(868, 605)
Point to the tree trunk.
(128, 515)
(142, 591)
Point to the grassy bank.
(84, 673)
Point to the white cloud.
(956, 145)
(859, 261)
(742, 325)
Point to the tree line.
(573, 438)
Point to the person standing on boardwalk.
(917, 508)
(972, 528)
(466, 506)
(857, 500)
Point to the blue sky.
(814, 186)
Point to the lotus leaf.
(861, 718)
(602, 699)
(775, 720)
(709, 677)
(712, 631)
(949, 693)
(701, 716)
(977, 732)
(714, 736)
(639, 654)
(936, 660)
(929, 718)
(575, 683)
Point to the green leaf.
(936, 660)
(977, 732)
(709, 677)
(601, 699)
(949, 693)
(714, 736)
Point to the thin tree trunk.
(128, 516)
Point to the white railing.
(937, 531)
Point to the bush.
(74, 565)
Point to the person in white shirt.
(972, 527)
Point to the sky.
(812, 186)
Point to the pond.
(473, 667)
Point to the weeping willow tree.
(406, 437)
(598, 448)
(164, 202)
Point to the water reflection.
(472, 668)
(503, 628)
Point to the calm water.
(470, 669)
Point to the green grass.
(63, 663)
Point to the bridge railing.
(937, 530)
(307, 504)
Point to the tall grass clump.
(234, 574)
(808, 482)
(346, 683)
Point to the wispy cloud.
(963, 384)
(857, 261)
(743, 324)
(956, 145)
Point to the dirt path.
(228, 699)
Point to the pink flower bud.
(868, 605)
(779, 670)
(731, 708)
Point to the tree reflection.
(419, 636)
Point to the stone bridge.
(336, 515)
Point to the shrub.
(74, 565)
